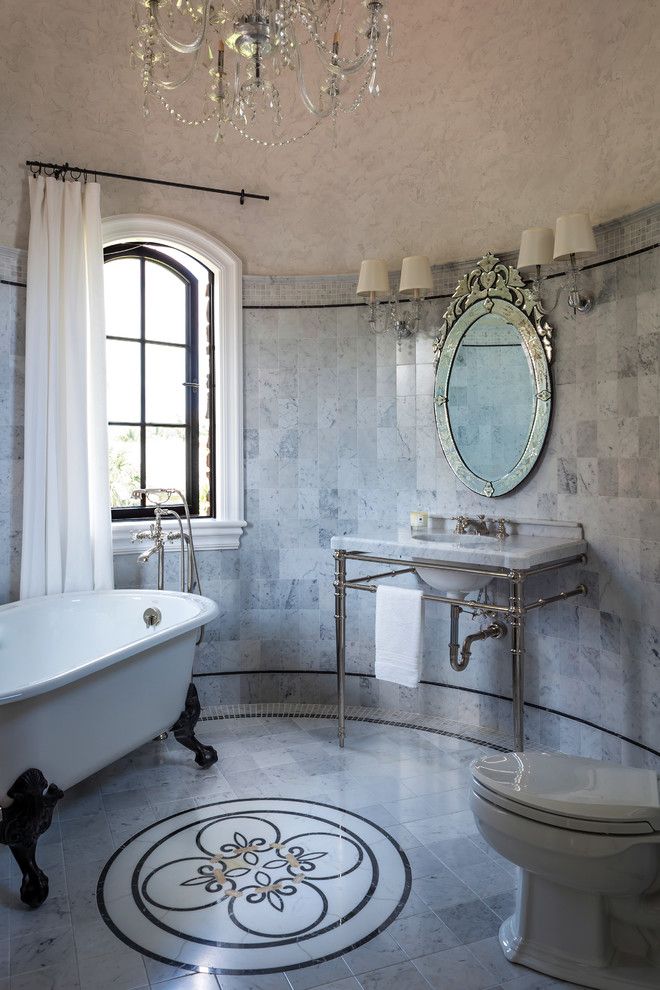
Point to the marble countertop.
(517, 552)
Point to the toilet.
(586, 836)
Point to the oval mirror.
(493, 393)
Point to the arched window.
(173, 325)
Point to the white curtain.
(67, 537)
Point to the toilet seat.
(570, 792)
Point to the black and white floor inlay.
(254, 885)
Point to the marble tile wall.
(339, 437)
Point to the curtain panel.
(67, 535)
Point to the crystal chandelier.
(256, 52)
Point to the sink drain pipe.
(494, 630)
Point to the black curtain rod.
(48, 168)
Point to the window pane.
(165, 304)
(124, 459)
(123, 372)
(166, 457)
(122, 297)
(165, 391)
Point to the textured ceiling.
(493, 115)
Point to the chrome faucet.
(478, 526)
(481, 526)
(159, 537)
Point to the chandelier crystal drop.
(259, 56)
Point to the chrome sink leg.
(340, 634)
(517, 613)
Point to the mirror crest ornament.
(493, 391)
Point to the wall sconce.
(573, 238)
(373, 282)
(416, 280)
(536, 250)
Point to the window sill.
(208, 534)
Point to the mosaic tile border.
(614, 238)
(628, 234)
(13, 265)
(377, 716)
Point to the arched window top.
(223, 529)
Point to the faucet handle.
(501, 532)
(461, 522)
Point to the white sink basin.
(455, 584)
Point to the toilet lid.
(571, 787)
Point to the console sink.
(528, 545)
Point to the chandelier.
(256, 53)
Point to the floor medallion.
(254, 885)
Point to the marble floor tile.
(394, 977)
(61, 976)
(32, 952)
(489, 954)
(379, 952)
(333, 971)
(471, 921)
(454, 969)
(118, 968)
(422, 934)
(397, 782)
(485, 879)
(349, 984)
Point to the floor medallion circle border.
(192, 968)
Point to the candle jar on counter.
(419, 522)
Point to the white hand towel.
(399, 634)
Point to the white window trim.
(222, 531)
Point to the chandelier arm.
(307, 100)
(338, 66)
(181, 47)
(168, 85)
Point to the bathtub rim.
(206, 611)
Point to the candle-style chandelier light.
(255, 53)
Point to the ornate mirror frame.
(494, 287)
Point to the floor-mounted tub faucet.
(159, 537)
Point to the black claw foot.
(28, 817)
(184, 730)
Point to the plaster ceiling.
(493, 116)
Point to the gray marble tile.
(257, 981)
(121, 969)
(470, 921)
(61, 976)
(422, 934)
(454, 969)
(333, 971)
(393, 977)
(380, 952)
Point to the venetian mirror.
(493, 392)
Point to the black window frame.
(148, 252)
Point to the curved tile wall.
(339, 437)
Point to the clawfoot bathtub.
(85, 679)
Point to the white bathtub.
(83, 681)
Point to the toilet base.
(621, 973)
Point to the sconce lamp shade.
(574, 235)
(373, 278)
(416, 274)
(536, 247)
